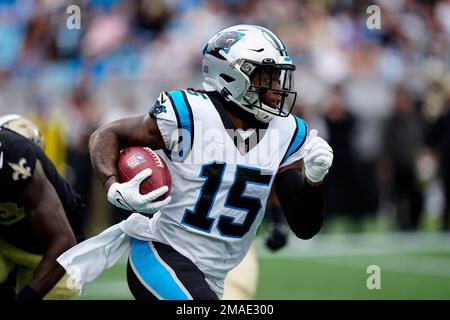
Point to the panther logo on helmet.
(227, 39)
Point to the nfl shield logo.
(135, 160)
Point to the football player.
(225, 145)
(39, 215)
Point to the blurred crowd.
(380, 97)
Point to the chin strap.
(260, 115)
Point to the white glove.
(318, 157)
(127, 196)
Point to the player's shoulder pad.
(298, 138)
(17, 157)
(181, 106)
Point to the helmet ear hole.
(251, 96)
(247, 68)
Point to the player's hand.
(318, 157)
(127, 196)
(277, 238)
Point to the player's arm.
(301, 196)
(47, 217)
(105, 145)
(107, 141)
(278, 236)
(302, 201)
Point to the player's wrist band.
(109, 177)
(28, 293)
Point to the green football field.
(334, 266)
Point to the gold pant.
(10, 257)
(241, 282)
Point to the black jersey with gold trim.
(18, 157)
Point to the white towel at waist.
(87, 260)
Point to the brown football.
(133, 160)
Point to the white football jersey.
(221, 179)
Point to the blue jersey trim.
(185, 120)
(297, 140)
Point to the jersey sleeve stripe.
(298, 138)
(166, 151)
(184, 116)
(191, 117)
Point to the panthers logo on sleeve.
(174, 118)
(158, 106)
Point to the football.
(133, 160)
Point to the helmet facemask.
(271, 87)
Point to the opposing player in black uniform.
(39, 216)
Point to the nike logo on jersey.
(163, 99)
